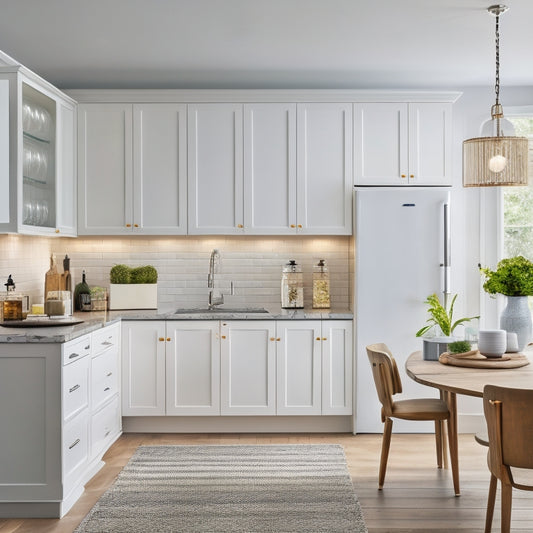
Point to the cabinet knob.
(161, 339)
(223, 336)
(272, 339)
(318, 338)
(299, 225)
(293, 225)
(57, 230)
(135, 225)
(324, 338)
(278, 339)
(128, 225)
(240, 226)
(411, 175)
(168, 339)
(404, 176)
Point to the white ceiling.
(288, 44)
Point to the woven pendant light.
(498, 157)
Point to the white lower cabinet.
(248, 367)
(50, 445)
(238, 367)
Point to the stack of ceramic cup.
(492, 343)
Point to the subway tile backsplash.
(253, 264)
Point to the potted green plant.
(442, 318)
(513, 277)
(133, 288)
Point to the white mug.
(492, 342)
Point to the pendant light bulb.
(497, 163)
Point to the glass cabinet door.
(38, 158)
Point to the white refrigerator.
(402, 255)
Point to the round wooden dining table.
(453, 380)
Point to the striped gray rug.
(288, 488)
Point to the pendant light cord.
(497, 84)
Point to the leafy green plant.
(441, 317)
(144, 274)
(120, 274)
(512, 277)
(459, 347)
(123, 274)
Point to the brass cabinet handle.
(168, 339)
(324, 338)
(299, 225)
(57, 230)
(278, 339)
(404, 176)
(161, 339)
(293, 225)
(128, 225)
(240, 226)
(223, 336)
(318, 338)
(272, 339)
(411, 175)
(135, 225)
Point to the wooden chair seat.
(421, 409)
(388, 383)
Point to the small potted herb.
(442, 318)
(133, 288)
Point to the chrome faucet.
(215, 296)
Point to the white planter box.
(133, 296)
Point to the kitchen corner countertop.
(95, 320)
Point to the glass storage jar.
(321, 293)
(292, 286)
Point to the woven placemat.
(474, 359)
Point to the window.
(518, 201)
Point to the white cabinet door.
(66, 203)
(248, 367)
(143, 368)
(337, 367)
(215, 168)
(325, 169)
(381, 137)
(270, 168)
(430, 142)
(160, 168)
(105, 169)
(193, 367)
(403, 144)
(298, 367)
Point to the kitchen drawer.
(76, 349)
(105, 339)
(75, 387)
(75, 449)
(105, 426)
(104, 378)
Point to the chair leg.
(385, 446)
(507, 501)
(438, 442)
(490, 503)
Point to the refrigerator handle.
(446, 252)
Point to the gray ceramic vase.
(517, 317)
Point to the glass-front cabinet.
(37, 127)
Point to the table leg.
(451, 400)
(445, 437)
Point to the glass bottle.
(292, 286)
(321, 293)
(82, 295)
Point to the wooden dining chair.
(388, 383)
(509, 415)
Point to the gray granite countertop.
(93, 321)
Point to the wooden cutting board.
(474, 359)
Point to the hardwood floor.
(417, 497)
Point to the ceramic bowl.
(492, 343)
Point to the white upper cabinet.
(37, 168)
(215, 168)
(132, 169)
(325, 169)
(403, 143)
(270, 168)
(105, 173)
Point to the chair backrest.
(386, 375)
(509, 415)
